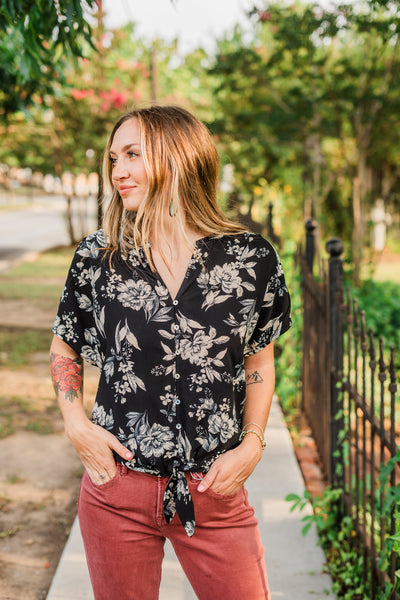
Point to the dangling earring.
(173, 207)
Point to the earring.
(173, 207)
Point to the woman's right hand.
(94, 446)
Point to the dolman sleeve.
(273, 316)
(80, 320)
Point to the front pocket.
(211, 492)
(106, 484)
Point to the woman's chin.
(131, 206)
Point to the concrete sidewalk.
(294, 563)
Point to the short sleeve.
(273, 316)
(78, 321)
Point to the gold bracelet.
(246, 431)
(260, 428)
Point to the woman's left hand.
(230, 471)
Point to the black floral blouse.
(172, 385)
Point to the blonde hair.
(182, 165)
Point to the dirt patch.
(38, 313)
(39, 470)
(39, 480)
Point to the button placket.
(177, 375)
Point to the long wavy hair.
(182, 166)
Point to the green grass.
(37, 280)
(28, 289)
(6, 425)
(49, 264)
(41, 426)
(17, 413)
(17, 345)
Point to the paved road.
(26, 229)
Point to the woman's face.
(128, 173)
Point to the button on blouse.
(172, 384)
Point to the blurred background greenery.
(303, 100)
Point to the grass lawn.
(40, 279)
(36, 286)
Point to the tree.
(35, 38)
(366, 83)
(68, 133)
(112, 78)
(315, 93)
(267, 116)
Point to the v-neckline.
(196, 250)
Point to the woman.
(179, 308)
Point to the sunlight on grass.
(387, 272)
(48, 264)
(16, 346)
(16, 413)
(40, 279)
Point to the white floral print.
(136, 294)
(171, 385)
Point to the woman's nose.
(119, 171)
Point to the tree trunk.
(357, 237)
(70, 225)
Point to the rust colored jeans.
(124, 531)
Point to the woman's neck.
(174, 239)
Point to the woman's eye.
(112, 160)
(132, 154)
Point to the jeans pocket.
(214, 494)
(109, 483)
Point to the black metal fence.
(351, 402)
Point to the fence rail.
(351, 402)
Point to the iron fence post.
(311, 226)
(335, 249)
(269, 220)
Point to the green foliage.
(338, 540)
(34, 37)
(391, 509)
(314, 93)
(289, 349)
(303, 108)
(122, 72)
(381, 303)
(337, 536)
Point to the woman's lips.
(125, 190)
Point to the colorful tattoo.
(254, 377)
(67, 375)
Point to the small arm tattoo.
(67, 375)
(254, 377)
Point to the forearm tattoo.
(253, 377)
(67, 375)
